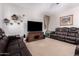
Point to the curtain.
(46, 22)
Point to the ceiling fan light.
(57, 3)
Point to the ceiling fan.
(55, 5)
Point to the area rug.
(50, 47)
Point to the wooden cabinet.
(32, 36)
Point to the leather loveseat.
(70, 35)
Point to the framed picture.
(66, 20)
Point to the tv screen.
(34, 26)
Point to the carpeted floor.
(50, 47)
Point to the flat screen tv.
(34, 26)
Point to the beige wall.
(55, 20)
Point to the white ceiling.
(52, 8)
(38, 4)
(34, 5)
(31, 5)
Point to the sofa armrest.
(23, 48)
(77, 35)
(52, 32)
(77, 50)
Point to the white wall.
(8, 10)
(1, 16)
(55, 20)
(14, 29)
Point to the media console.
(32, 36)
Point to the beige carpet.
(50, 47)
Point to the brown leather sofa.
(12, 46)
(77, 50)
(16, 47)
(70, 35)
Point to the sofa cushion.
(64, 29)
(71, 38)
(61, 36)
(13, 49)
(58, 30)
(71, 34)
(72, 29)
(3, 44)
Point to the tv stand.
(32, 36)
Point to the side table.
(47, 34)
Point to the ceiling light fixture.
(57, 3)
